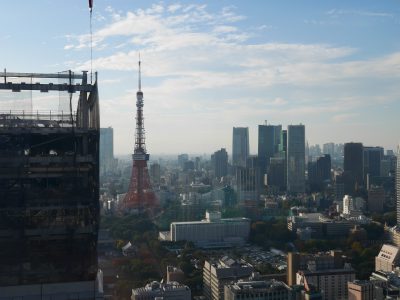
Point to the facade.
(212, 231)
(247, 184)
(296, 159)
(106, 150)
(217, 274)
(320, 226)
(320, 261)
(360, 290)
(269, 140)
(240, 146)
(220, 163)
(276, 174)
(165, 291)
(372, 161)
(332, 283)
(387, 259)
(257, 290)
(376, 199)
(49, 194)
(353, 167)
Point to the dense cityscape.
(266, 214)
(294, 213)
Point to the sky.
(208, 66)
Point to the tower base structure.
(140, 198)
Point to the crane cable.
(91, 41)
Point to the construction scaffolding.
(49, 182)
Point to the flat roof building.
(216, 274)
(256, 289)
(212, 231)
(166, 291)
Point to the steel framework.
(140, 197)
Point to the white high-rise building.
(296, 159)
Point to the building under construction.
(49, 187)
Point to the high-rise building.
(220, 163)
(269, 140)
(276, 174)
(353, 174)
(329, 148)
(376, 199)
(240, 146)
(296, 159)
(398, 185)
(182, 158)
(266, 144)
(247, 184)
(49, 193)
(106, 149)
(372, 161)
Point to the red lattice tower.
(140, 197)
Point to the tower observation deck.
(140, 197)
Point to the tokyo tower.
(140, 197)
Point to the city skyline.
(209, 67)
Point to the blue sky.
(211, 65)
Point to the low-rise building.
(216, 274)
(210, 232)
(175, 274)
(332, 283)
(320, 225)
(327, 272)
(257, 289)
(387, 259)
(165, 291)
(360, 290)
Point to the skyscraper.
(398, 185)
(329, 148)
(240, 146)
(372, 161)
(353, 167)
(269, 140)
(296, 158)
(220, 163)
(106, 149)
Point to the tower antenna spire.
(140, 77)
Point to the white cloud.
(199, 64)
